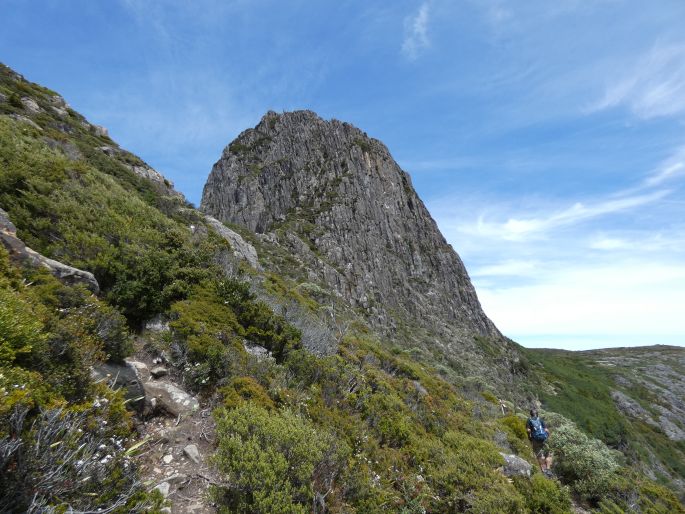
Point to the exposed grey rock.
(59, 106)
(122, 376)
(170, 398)
(163, 488)
(3, 98)
(336, 201)
(192, 453)
(100, 131)
(241, 248)
(177, 479)
(30, 105)
(256, 350)
(24, 119)
(631, 408)
(141, 368)
(515, 465)
(70, 150)
(168, 458)
(109, 150)
(157, 324)
(159, 372)
(149, 173)
(21, 253)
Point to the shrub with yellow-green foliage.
(245, 389)
(275, 462)
(212, 323)
(543, 496)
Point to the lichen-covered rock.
(30, 105)
(515, 465)
(170, 398)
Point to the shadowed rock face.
(337, 200)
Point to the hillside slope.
(311, 409)
(631, 398)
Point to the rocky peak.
(340, 203)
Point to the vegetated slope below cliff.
(348, 427)
(336, 200)
(631, 398)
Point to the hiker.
(538, 434)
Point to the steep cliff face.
(339, 202)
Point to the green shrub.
(246, 389)
(274, 462)
(20, 331)
(586, 464)
(543, 496)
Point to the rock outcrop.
(348, 200)
(335, 199)
(241, 248)
(19, 252)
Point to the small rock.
(168, 458)
(163, 488)
(158, 372)
(165, 510)
(177, 479)
(157, 470)
(192, 453)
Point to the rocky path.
(176, 430)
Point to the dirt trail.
(180, 437)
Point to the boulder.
(241, 248)
(100, 131)
(30, 105)
(124, 376)
(515, 466)
(163, 488)
(170, 398)
(19, 252)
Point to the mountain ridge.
(231, 322)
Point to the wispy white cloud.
(523, 228)
(671, 168)
(416, 33)
(653, 87)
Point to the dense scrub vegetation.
(580, 388)
(367, 429)
(62, 437)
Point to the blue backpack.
(537, 429)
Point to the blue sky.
(546, 138)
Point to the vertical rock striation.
(337, 200)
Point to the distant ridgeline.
(313, 308)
